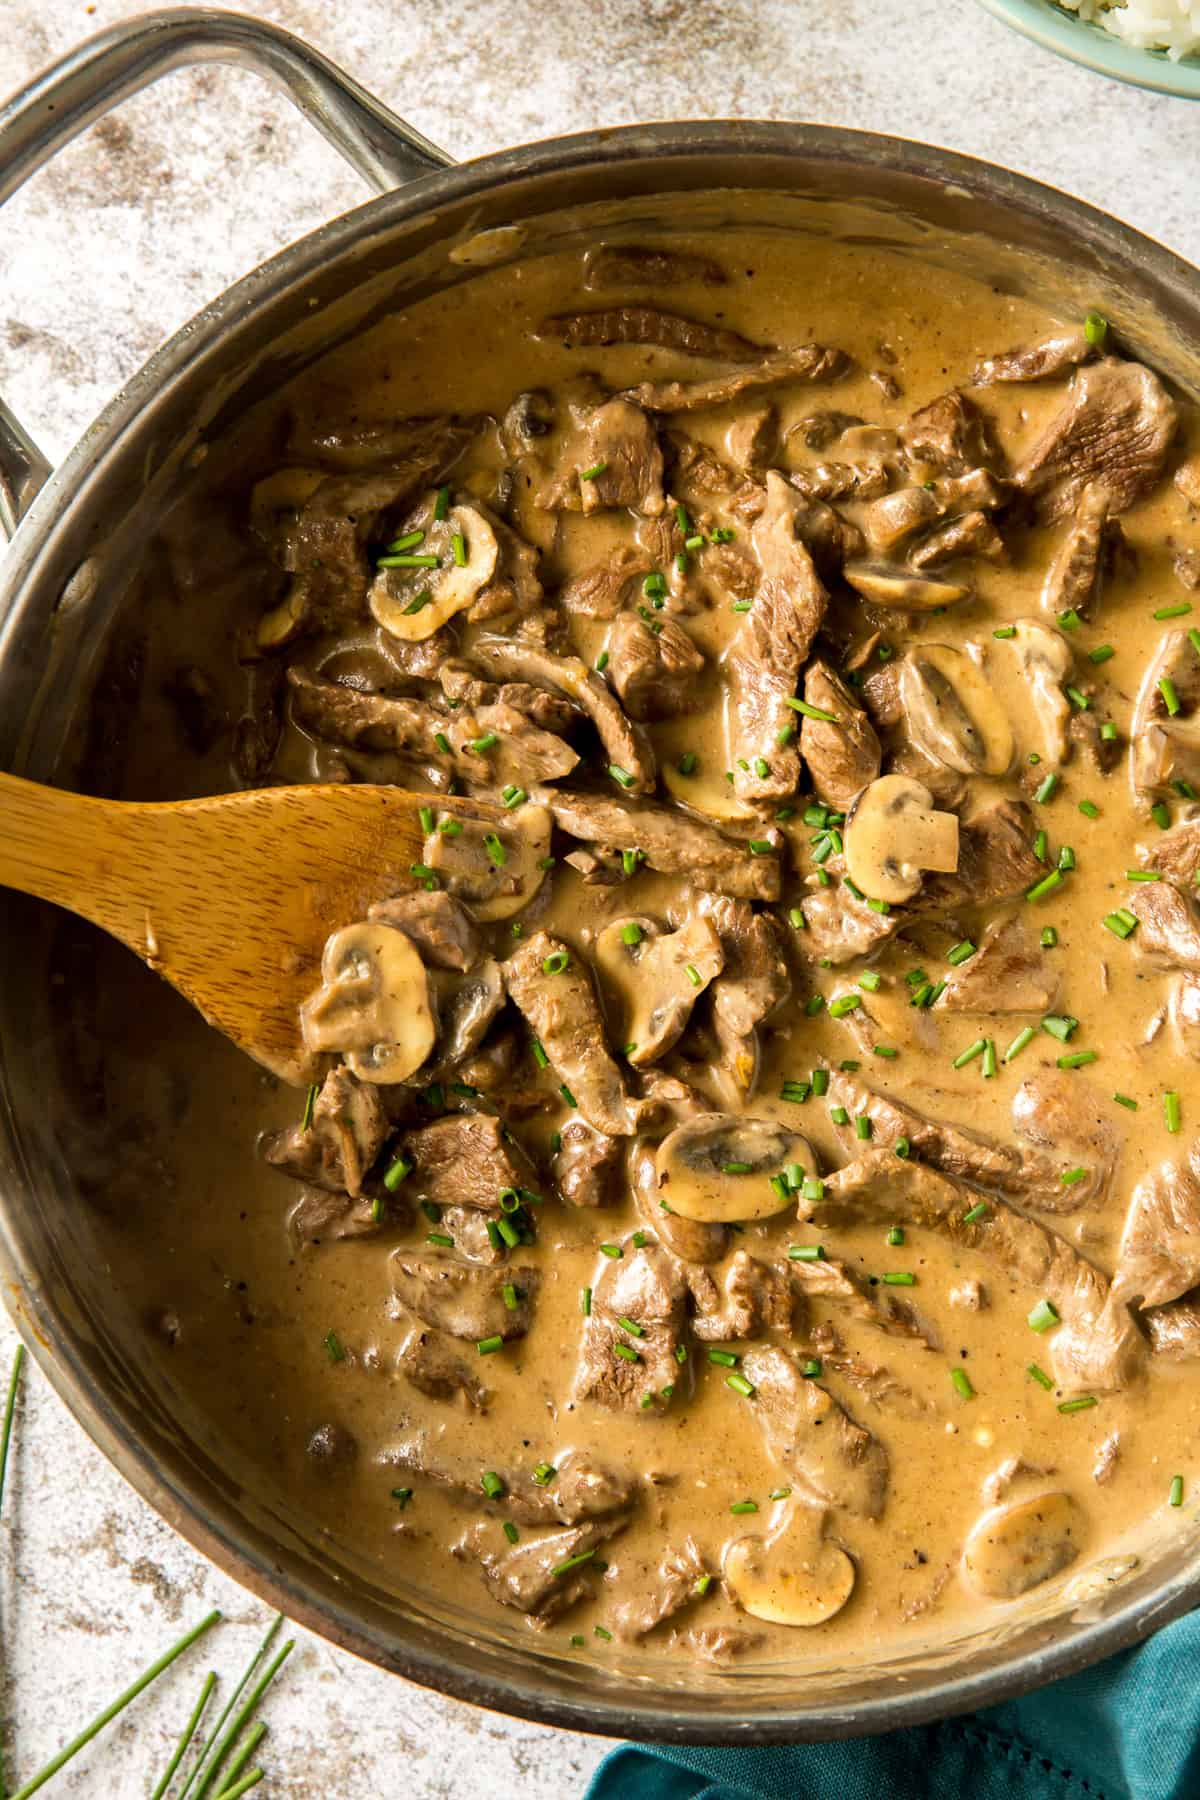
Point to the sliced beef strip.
(344, 1136)
(1097, 1345)
(1116, 427)
(1060, 1112)
(618, 441)
(842, 756)
(1174, 1329)
(530, 1575)
(433, 1366)
(754, 984)
(646, 1286)
(771, 648)
(564, 1015)
(648, 325)
(578, 1492)
(608, 588)
(1166, 747)
(588, 1165)
(874, 1381)
(445, 935)
(467, 1159)
(361, 720)
(995, 861)
(1169, 932)
(831, 1460)
(1040, 361)
(465, 1300)
(807, 362)
(1159, 1257)
(840, 927)
(950, 434)
(1009, 973)
(747, 1296)
(625, 744)
(1086, 557)
(1186, 564)
(461, 686)
(650, 266)
(414, 449)
(752, 441)
(671, 842)
(321, 1216)
(653, 666)
(660, 1594)
(970, 534)
(882, 1307)
(701, 476)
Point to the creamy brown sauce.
(270, 1341)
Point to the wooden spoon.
(231, 898)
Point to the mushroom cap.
(953, 713)
(653, 983)
(892, 833)
(395, 598)
(1013, 1548)
(888, 584)
(373, 1006)
(717, 1167)
(794, 1577)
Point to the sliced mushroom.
(888, 585)
(1027, 672)
(719, 1167)
(466, 1005)
(413, 603)
(373, 1006)
(892, 834)
(1013, 1548)
(653, 978)
(888, 521)
(794, 1577)
(494, 866)
(275, 506)
(953, 712)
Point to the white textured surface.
(111, 250)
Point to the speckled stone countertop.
(103, 256)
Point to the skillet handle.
(97, 76)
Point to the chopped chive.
(510, 1531)
(333, 1347)
(409, 561)
(1095, 329)
(862, 1127)
(760, 847)
(977, 1212)
(888, 1051)
(627, 1353)
(310, 1101)
(839, 1115)
(557, 963)
(443, 1239)
(585, 1301)
(738, 1382)
(989, 1059)
(1072, 1177)
(1066, 859)
(1069, 621)
(813, 712)
(409, 541)
(1049, 937)
(1080, 1405)
(572, 1562)
(458, 545)
(813, 1005)
(442, 742)
(970, 1053)
(1043, 1316)
(481, 745)
(1175, 1492)
(1060, 1026)
(513, 796)
(1045, 886)
(1108, 732)
(489, 1345)
(1041, 845)
(1171, 1110)
(744, 1506)
(724, 1359)
(1079, 1059)
(539, 1054)
(1166, 688)
(426, 817)
(631, 1326)
(806, 1253)
(962, 1384)
(1040, 1376)
(961, 952)
(1178, 611)
(797, 919)
(1047, 789)
(895, 1236)
(1005, 631)
(1101, 653)
(397, 1172)
(1089, 809)
(591, 474)
(1025, 1036)
(497, 854)
(688, 763)
(1161, 814)
(903, 1149)
(509, 1294)
(899, 1278)
(811, 1368)
(1078, 700)
(796, 1092)
(441, 504)
(845, 1003)
(1125, 1101)
(622, 776)
(820, 1082)
(612, 1251)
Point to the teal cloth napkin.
(1128, 1729)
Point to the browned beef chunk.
(362, 720)
(434, 1367)
(808, 362)
(647, 325)
(841, 927)
(342, 1139)
(752, 441)
(700, 476)
(616, 447)
(659, 1594)
(1169, 934)
(842, 755)
(1096, 1346)
(321, 1216)
(771, 648)
(873, 1380)
(825, 481)
(653, 666)
(831, 1460)
(1165, 746)
(538, 1575)
(553, 712)
(1062, 1113)
(442, 929)
(564, 1015)
(1175, 853)
(1174, 1329)
(576, 1491)
(949, 434)
(587, 1167)
(729, 572)
(1049, 356)
(650, 266)
(670, 841)
(465, 1300)
(748, 1297)
(1084, 734)
(608, 587)
(620, 1367)
(626, 746)
(467, 1159)
(754, 984)
(1009, 973)
(883, 1307)
(1084, 559)
(995, 861)
(1159, 1258)
(1116, 427)
(970, 534)
(469, 1229)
